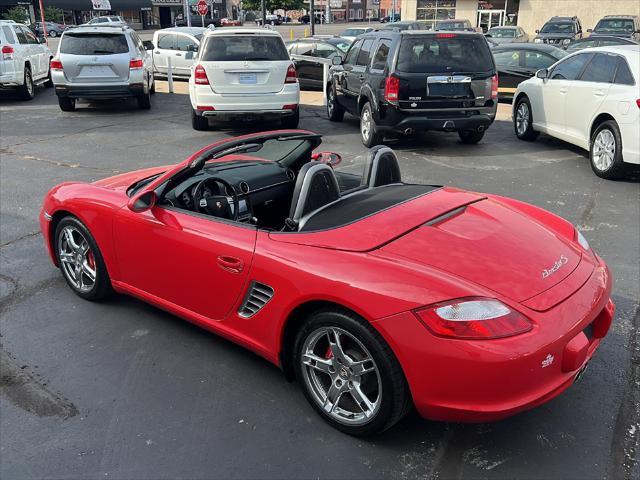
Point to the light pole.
(312, 17)
(263, 6)
(187, 13)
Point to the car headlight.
(537, 40)
(582, 241)
(566, 41)
(473, 319)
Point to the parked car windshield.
(502, 32)
(244, 47)
(341, 45)
(615, 25)
(451, 26)
(93, 44)
(353, 32)
(558, 28)
(429, 54)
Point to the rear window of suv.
(244, 47)
(435, 54)
(94, 44)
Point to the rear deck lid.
(95, 57)
(245, 63)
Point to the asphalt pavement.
(122, 390)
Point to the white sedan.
(590, 99)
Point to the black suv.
(625, 26)
(559, 31)
(402, 82)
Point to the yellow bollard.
(305, 32)
(291, 34)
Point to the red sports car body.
(470, 306)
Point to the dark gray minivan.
(410, 81)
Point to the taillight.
(205, 108)
(292, 76)
(494, 87)
(135, 64)
(7, 52)
(55, 65)
(638, 102)
(446, 35)
(200, 76)
(391, 89)
(290, 106)
(473, 319)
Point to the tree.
(272, 5)
(53, 14)
(17, 14)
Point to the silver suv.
(102, 63)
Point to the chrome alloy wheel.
(330, 101)
(522, 118)
(29, 82)
(341, 375)
(604, 150)
(365, 124)
(76, 259)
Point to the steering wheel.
(216, 205)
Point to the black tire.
(390, 385)
(53, 34)
(198, 122)
(371, 136)
(144, 100)
(291, 121)
(49, 82)
(608, 169)
(470, 137)
(525, 131)
(27, 89)
(335, 112)
(67, 104)
(152, 89)
(102, 284)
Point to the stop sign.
(203, 8)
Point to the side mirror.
(542, 73)
(537, 31)
(148, 45)
(336, 60)
(143, 201)
(330, 158)
(589, 30)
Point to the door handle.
(230, 264)
(563, 91)
(178, 54)
(599, 93)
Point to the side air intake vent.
(257, 297)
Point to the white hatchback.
(242, 74)
(590, 99)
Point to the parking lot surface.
(122, 390)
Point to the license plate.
(96, 71)
(448, 90)
(248, 78)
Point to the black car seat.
(382, 168)
(316, 186)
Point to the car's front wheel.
(80, 260)
(53, 33)
(523, 121)
(605, 152)
(349, 374)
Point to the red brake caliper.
(91, 260)
(329, 353)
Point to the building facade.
(529, 14)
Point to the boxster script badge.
(555, 267)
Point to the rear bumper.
(444, 120)
(257, 104)
(233, 115)
(630, 142)
(11, 79)
(479, 381)
(100, 91)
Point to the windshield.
(342, 46)
(502, 32)
(353, 32)
(615, 25)
(430, 54)
(396, 26)
(558, 28)
(244, 47)
(93, 44)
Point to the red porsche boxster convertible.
(375, 294)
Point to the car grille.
(257, 297)
(553, 41)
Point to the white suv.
(242, 74)
(24, 61)
(590, 99)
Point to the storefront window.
(431, 11)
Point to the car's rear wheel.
(368, 129)
(335, 112)
(49, 82)
(27, 89)
(523, 121)
(291, 121)
(67, 104)
(349, 374)
(605, 152)
(80, 260)
(198, 122)
(144, 100)
(470, 137)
